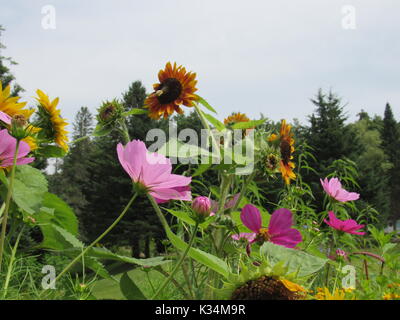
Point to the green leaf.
(104, 253)
(73, 247)
(201, 169)
(183, 215)
(248, 125)
(30, 185)
(135, 111)
(215, 122)
(200, 256)
(178, 149)
(205, 103)
(129, 289)
(52, 152)
(295, 260)
(101, 130)
(55, 212)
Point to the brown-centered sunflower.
(176, 87)
(53, 124)
(286, 145)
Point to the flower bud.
(202, 206)
(18, 127)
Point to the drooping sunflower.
(325, 294)
(286, 145)
(54, 125)
(10, 105)
(176, 87)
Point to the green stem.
(225, 185)
(183, 256)
(176, 283)
(10, 265)
(8, 201)
(207, 126)
(124, 131)
(98, 239)
(243, 190)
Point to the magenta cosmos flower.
(5, 118)
(7, 150)
(333, 188)
(348, 226)
(279, 231)
(152, 171)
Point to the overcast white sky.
(250, 56)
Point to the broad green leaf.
(200, 256)
(103, 253)
(55, 212)
(215, 122)
(201, 169)
(73, 247)
(129, 289)
(135, 111)
(205, 103)
(296, 260)
(101, 130)
(248, 125)
(30, 185)
(52, 152)
(178, 149)
(183, 215)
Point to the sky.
(263, 56)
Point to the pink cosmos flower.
(153, 172)
(202, 206)
(333, 188)
(5, 118)
(280, 229)
(7, 150)
(348, 226)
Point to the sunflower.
(324, 294)
(176, 87)
(286, 143)
(235, 118)
(10, 105)
(50, 115)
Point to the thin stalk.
(207, 127)
(98, 239)
(11, 263)
(243, 190)
(183, 256)
(124, 131)
(176, 283)
(8, 201)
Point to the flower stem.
(182, 258)
(8, 201)
(98, 239)
(243, 190)
(207, 126)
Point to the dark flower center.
(169, 90)
(285, 151)
(107, 112)
(264, 288)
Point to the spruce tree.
(391, 146)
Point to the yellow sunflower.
(286, 148)
(235, 118)
(176, 88)
(324, 294)
(10, 105)
(58, 124)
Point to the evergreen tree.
(391, 146)
(70, 180)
